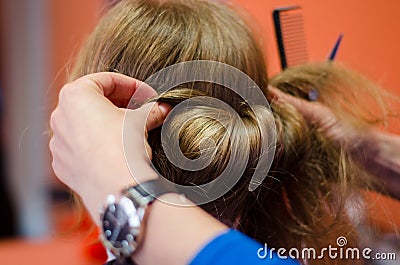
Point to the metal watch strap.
(148, 191)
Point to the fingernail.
(271, 87)
(274, 92)
(164, 108)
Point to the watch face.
(121, 224)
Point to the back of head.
(311, 196)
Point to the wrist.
(124, 216)
(354, 140)
(365, 145)
(128, 177)
(112, 181)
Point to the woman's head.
(302, 201)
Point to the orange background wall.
(370, 44)
(72, 22)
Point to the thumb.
(142, 120)
(152, 114)
(282, 96)
(310, 110)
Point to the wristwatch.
(123, 219)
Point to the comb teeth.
(289, 29)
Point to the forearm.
(379, 154)
(174, 234)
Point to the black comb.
(289, 29)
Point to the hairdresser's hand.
(87, 144)
(320, 115)
(377, 151)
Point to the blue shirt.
(233, 248)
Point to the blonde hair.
(353, 98)
(140, 37)
(302, 202)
